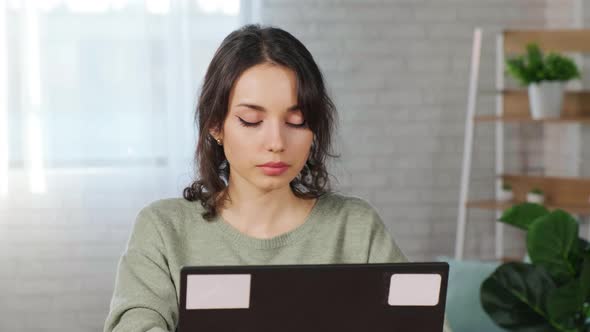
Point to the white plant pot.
(535, 198)
(505, 195)
(546, 99)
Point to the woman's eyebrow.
(262, 109)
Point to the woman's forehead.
(266, 85)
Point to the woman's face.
(264, 124)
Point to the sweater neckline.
(280, 240)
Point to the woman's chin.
(272, 183)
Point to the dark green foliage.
(552, 293)
(535, 67)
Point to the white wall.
(398, 71)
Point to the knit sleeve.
(144, 298)
(383, 249)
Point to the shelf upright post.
(468, 143)
(499, 227)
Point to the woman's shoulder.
(353, 216)
(348, 202)
(349, 206)
(172, 207)
(170, 213)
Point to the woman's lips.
(273, 170)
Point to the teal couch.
(463, 308)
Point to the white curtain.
(96, 121)
(96, 87)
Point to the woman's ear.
(216, 134)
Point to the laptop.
(393, 297)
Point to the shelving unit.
(576, 108)
(566, 193)
(571, 194)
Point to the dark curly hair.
(243, 48)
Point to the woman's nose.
(275, 137)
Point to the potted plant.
(506, 194)
(535, 196)
(545, 76)
(552, 293)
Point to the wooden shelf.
(528, 119)
(490, 204)
(560, 191)
(576, 108)
(571, 40)
(496, 205)
(567, 193)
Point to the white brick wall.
(398, 73)
(59, 252)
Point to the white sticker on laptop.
(218, 291)
(414, 289)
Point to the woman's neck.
(264, 214)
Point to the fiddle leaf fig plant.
(552, 293)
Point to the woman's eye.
(255, 124)
(249, 124)
(301, 125)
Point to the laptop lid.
(399, 297)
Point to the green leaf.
(578, 256)
(523, 215)
(565, 302)
(585, 278)
(517, 69)
(560, 68)
(514, 296)
(551, 240)
(534, 66)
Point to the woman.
(263, 195)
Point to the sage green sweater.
(171, 233)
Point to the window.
(93, 84)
